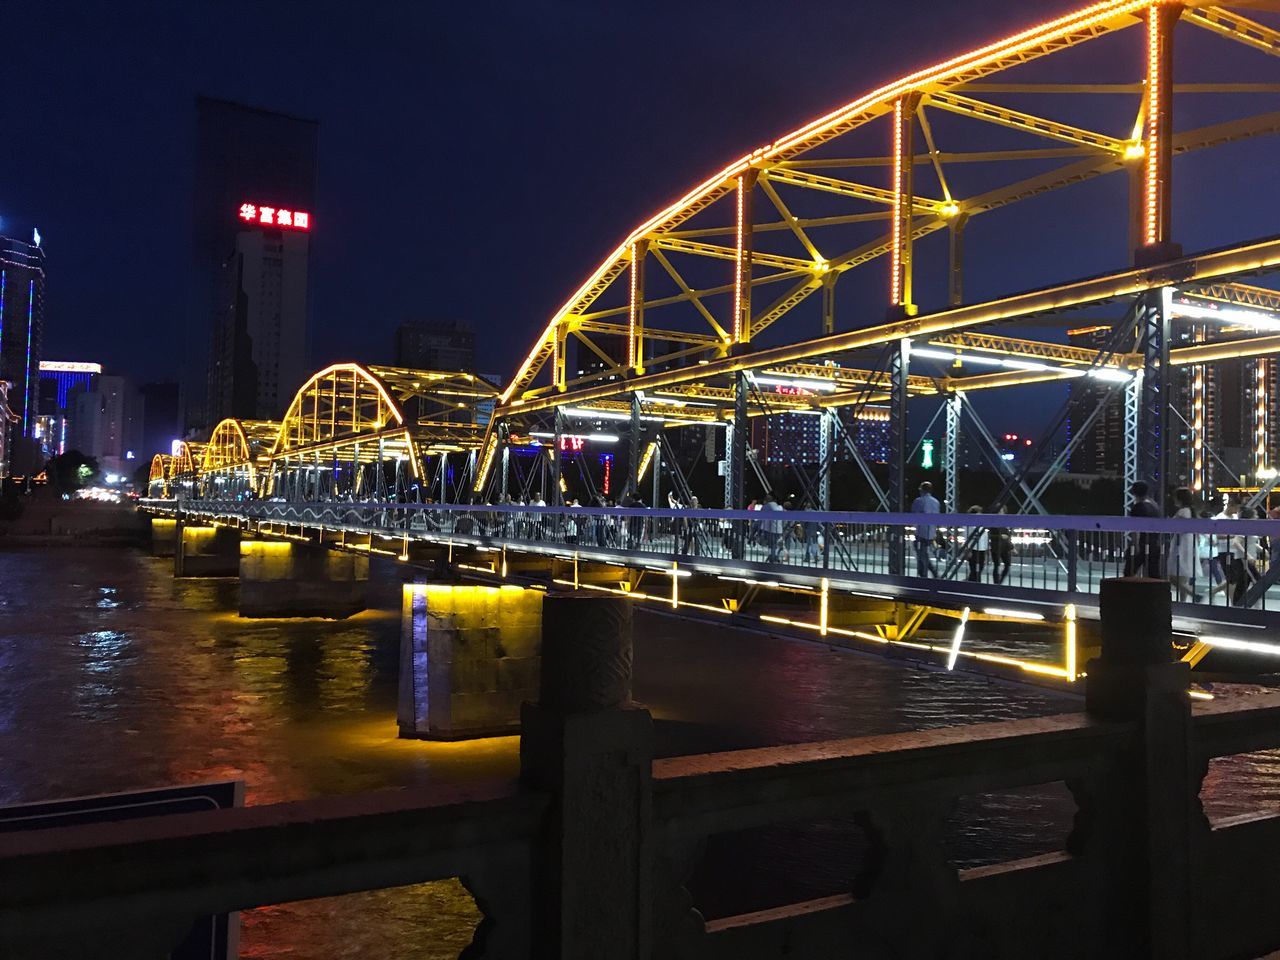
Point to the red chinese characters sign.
(275, 217)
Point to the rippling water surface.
(113, 675)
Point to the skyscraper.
(254, 211)
(22, 292)
(443, 345)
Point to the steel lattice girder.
(945, 86)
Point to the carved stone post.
(586, 744)
(1145, 807)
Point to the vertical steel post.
(738, 443)
(899, 370)
(900, 253)
(826, 460)
(829, 302)
(557, 455)
(1132, 397)
(657, 473)
(633, 438)
(955, 285)
(1157, 191)
(950, 452)
(728, 467)
(1153, 410)
(744, 235)
(506, 472)
(635, 314)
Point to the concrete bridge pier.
(294, 579)
(469, 657)
(206, 550)
(164, 535)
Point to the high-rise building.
(1101, 449)
(442, 345)
(22, 299)
(161, 417)
(254, 202)
(61, 381)
(258, 341)
(107, 424)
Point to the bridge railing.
(1222, 563)
(590, 854)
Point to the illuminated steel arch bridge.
(352, 431)
(723, 306)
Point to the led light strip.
(895, 259)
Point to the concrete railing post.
(1147, 804)
(587, 745)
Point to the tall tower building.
(22, 293)
(254, 211)
(444, 345)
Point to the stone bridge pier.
(470, 655)
(164, 536)
(294, 579)
(206, 550)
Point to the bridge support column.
(826, 458)
(1146, 901)
(1153, 403)
(737, 446)
(591, 749)
(951, 453)
(206, 551)
(164, 536)
(899, 369)
(469, 657)
(284, 579)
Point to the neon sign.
(275, 216)
(69, 366)
(791, 391)
(572, 444)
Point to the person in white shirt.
(1246, 552)
(1182, 550)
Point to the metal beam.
(1247, 258)
(1025, 122)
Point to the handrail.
(1081, 522)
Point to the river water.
(114, 675)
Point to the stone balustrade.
(588, 855)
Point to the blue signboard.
(212, 938)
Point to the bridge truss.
(722, 307)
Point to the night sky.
(476, 161)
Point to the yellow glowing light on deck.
(1069, 659)
(956, 638)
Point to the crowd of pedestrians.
(1198, 565)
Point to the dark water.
(113, 675)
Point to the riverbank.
(47, 520)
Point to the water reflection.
(114, 675)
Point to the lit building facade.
(61, 381)
(258, 341)
(22, 318)
(254, 210)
